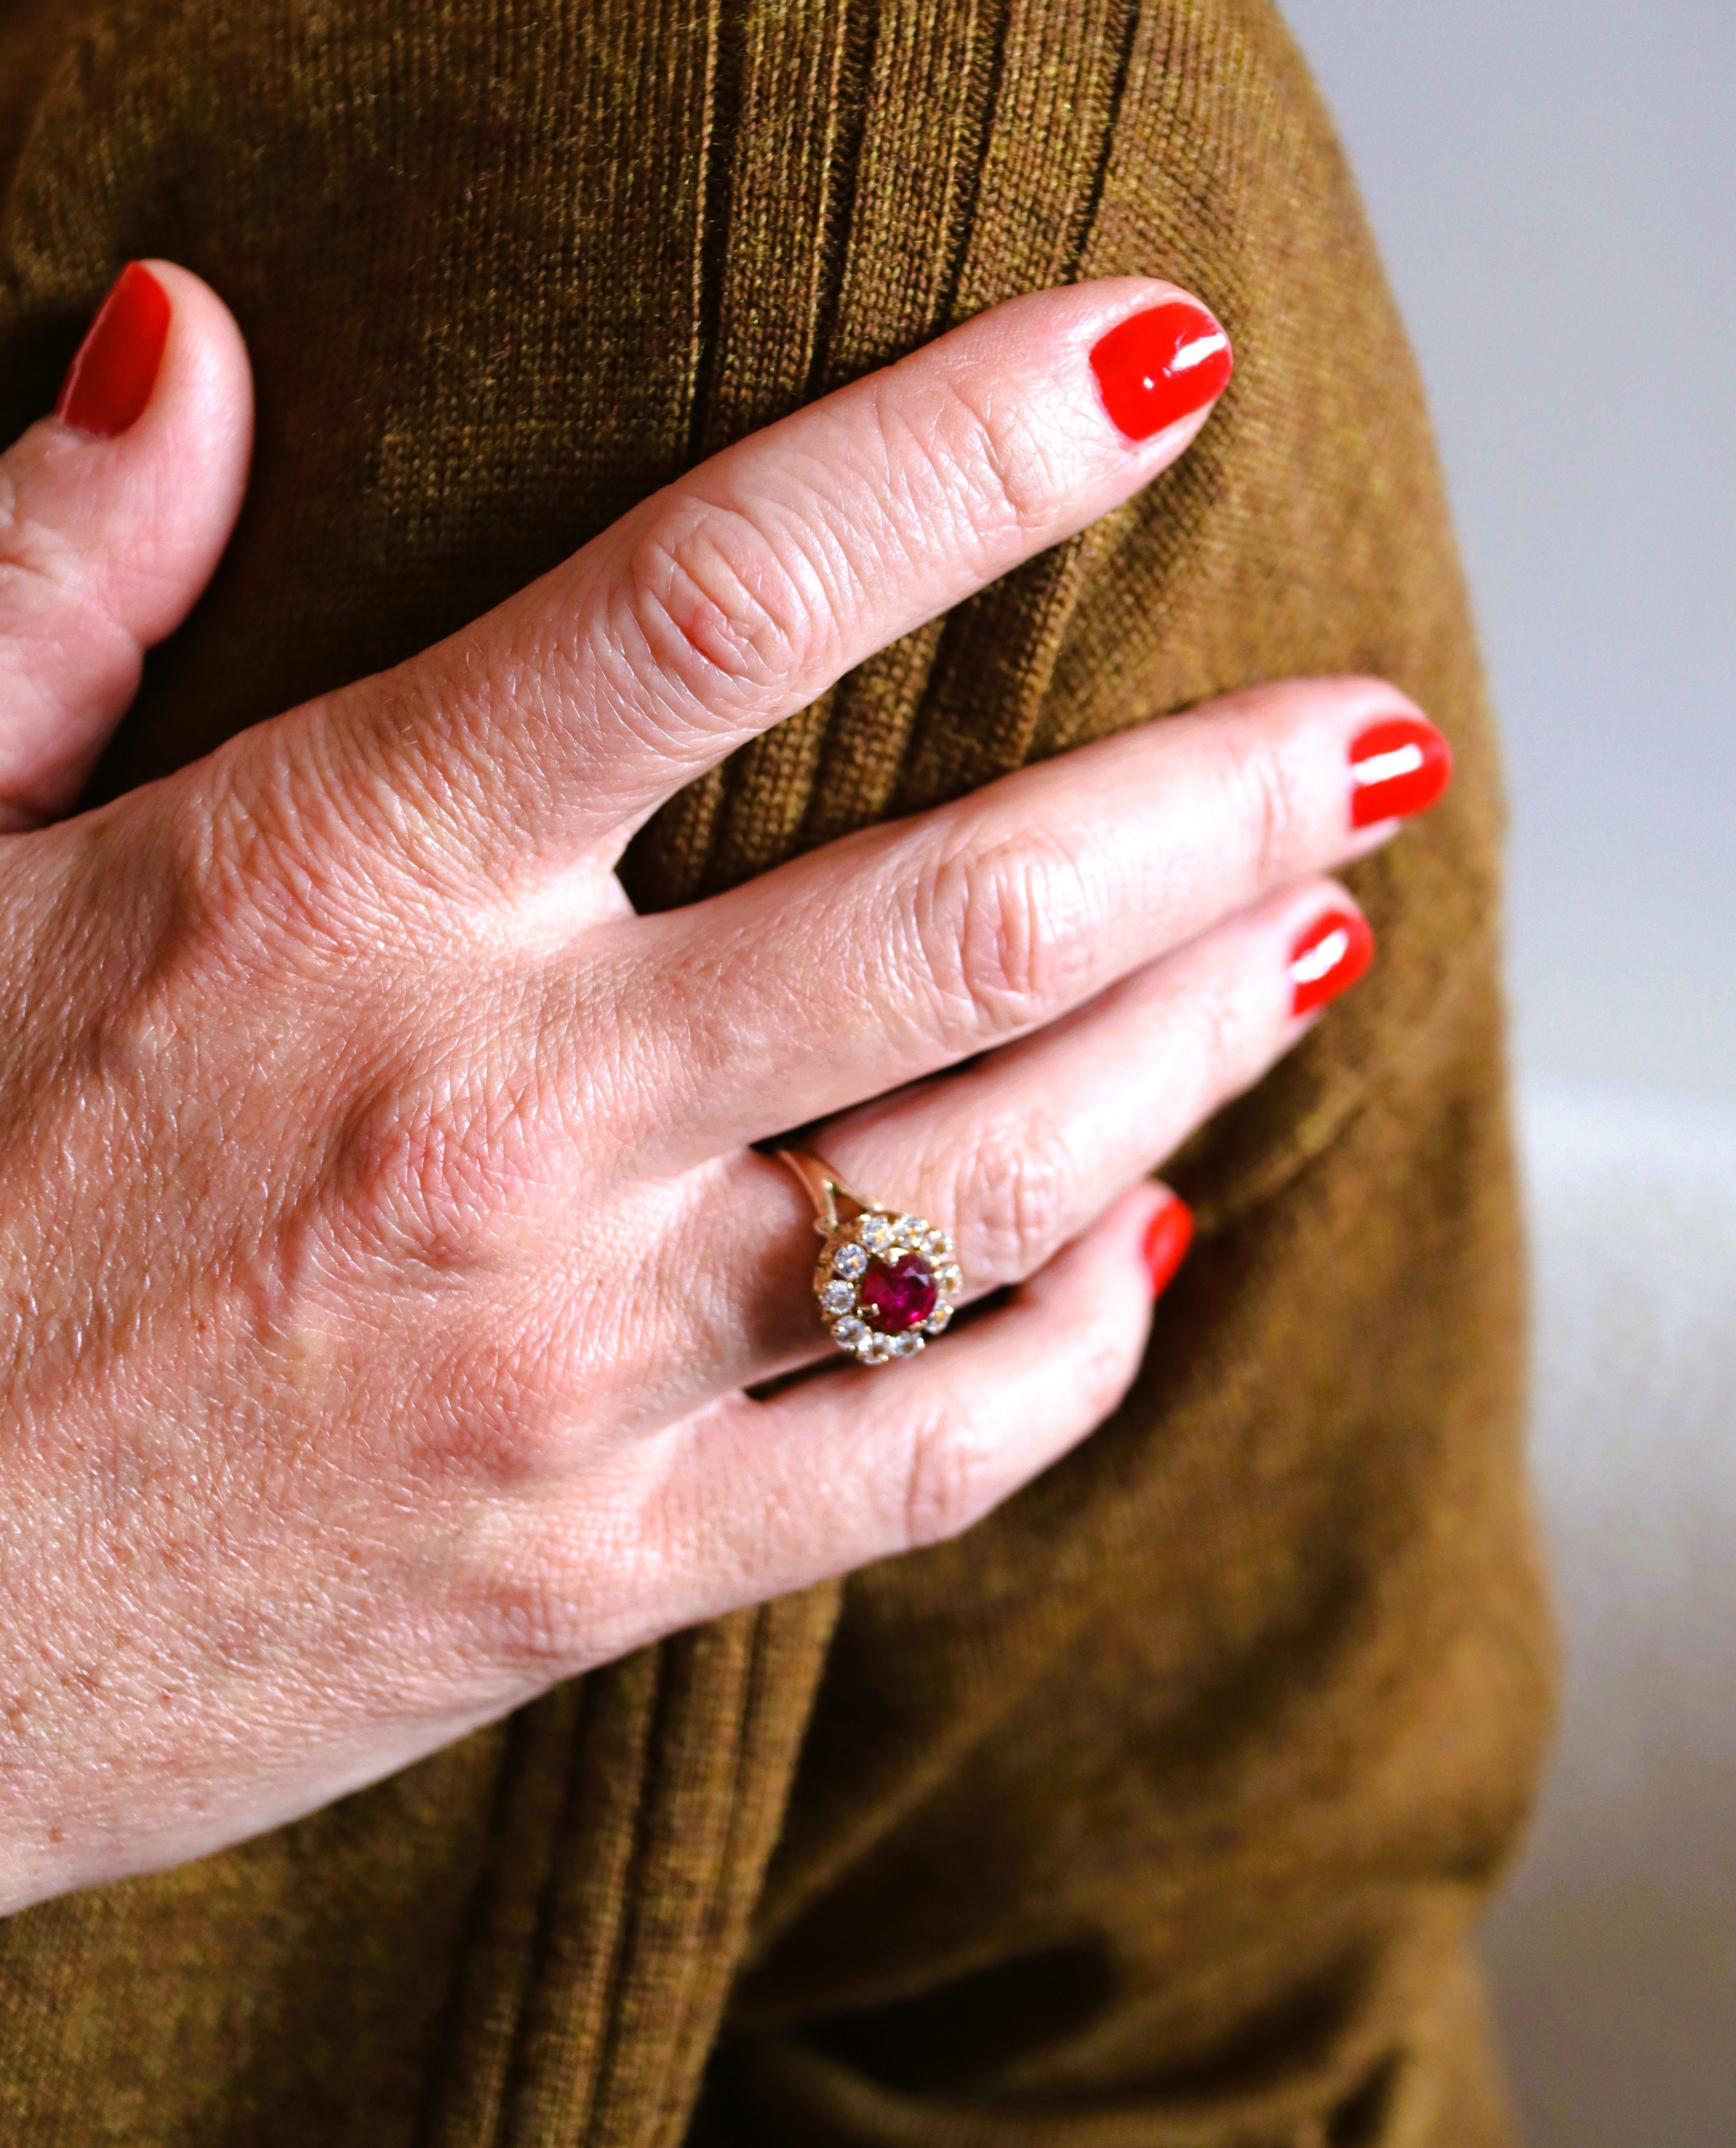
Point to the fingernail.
(1160, 366)
(110, 379)
(1168, 1235)
(1398, 766)
(1328, 959)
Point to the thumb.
(114, 513)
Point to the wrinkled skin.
(386, 1257)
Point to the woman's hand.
(385, 1255)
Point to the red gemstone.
(897, 1295)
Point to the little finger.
(751, 1500)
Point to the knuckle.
(947, 1484)
(524, 1617)
(1217, 1045)
(154, 997)
(1017, 1197)
(982, 455)
(958, 1464)
(1266, 800)
(484, 1414)
(999, 935)
(427, 1167)
(49, 596)
(534, 1611)
(552, 1587)
(30, 558)
(721, 607)
(270, 865)
(488, 1432)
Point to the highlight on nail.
(1328, 958)
(1160, 366)
(1398, 766)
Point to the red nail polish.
(1160, 366)
(1168, 1238)
(1328, 959)
(1396, 767)
(110, 379)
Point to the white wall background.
(1554, 186)
(1555, 190)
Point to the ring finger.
(1018, 1152)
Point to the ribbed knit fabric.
(1154, 1812)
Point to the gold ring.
(885, 1282)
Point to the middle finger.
(904, 950)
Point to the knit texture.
(1154, 1812)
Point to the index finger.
(736, 596)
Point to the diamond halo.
(886, 1283)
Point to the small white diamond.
(937, 1244)
(851, 1334)
(937, 1319)
(876, 1233)
(837, 1297)
(910, 1229)
(849, 1261)
(906, 1346)
(948, 1278)
(874, 1351)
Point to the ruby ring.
(884, 1283)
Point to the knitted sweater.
(1154, 1812)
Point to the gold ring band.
(885, 1282)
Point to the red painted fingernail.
(1168, 1238)
(1396, 767)
(1160, 366)
(1328, 959)
(110, 379)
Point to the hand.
(384, 1256)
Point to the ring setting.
(885, 1282)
